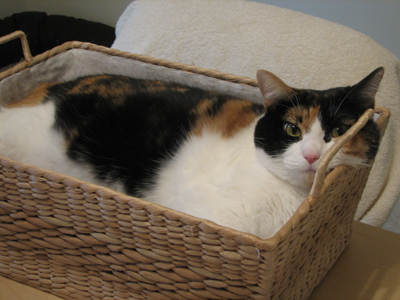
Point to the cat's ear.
(272, 88)
(364, 92)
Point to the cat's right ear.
(272, 88)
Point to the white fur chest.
(222, 180)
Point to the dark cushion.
(45, 32)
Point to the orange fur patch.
(232, 117)
(35, 98)
(87, 85)
(356, 147)
(92, 85)
(155, 86)
(115, 90)
(159, 86)
(303, 117)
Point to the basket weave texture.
(82, 241)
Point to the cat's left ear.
(272, 88)
(364, 91)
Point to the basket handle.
(321, 171)
(24, 41)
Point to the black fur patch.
(127, 139)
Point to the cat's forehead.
(308, 103)
(309, 97)
(307, 106)
(302, 116)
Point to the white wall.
(380, 19)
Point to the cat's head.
(301, 125)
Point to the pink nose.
(311, 157)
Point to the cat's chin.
(302, 179)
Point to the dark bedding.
(45, 32)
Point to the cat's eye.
(338, 131)
(292, 130)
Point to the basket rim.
(208, 226)
(139, 57)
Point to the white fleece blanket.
(240, 37)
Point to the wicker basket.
(81, 241)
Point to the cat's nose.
(311, 157)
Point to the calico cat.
(240, 164)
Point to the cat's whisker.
(345, 97)
(296, 107)
(298, 103)
(331, 108)
(365, 164)
(260, 141)
(339, 116)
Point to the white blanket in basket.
(240, 37)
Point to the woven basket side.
(77, 240)
(314, 245)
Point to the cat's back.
(125, 129)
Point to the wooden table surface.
(369, 269)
